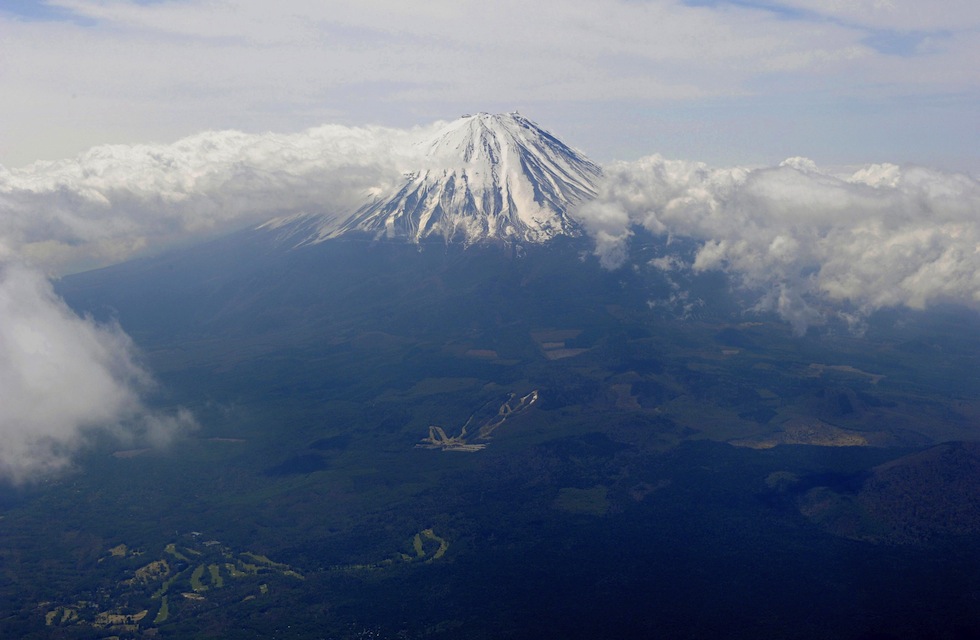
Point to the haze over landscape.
(713, 228)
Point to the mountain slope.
(483, 177)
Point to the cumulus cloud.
(63, 378)
(115, 201)
(807, 240)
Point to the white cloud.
(127, 71)
(63, 377)
(869, 237)
(806, 240)
(114, 201)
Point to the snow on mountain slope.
(482, 177)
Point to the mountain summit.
(483, 177)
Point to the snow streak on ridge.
(483, 177)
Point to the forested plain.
(687, 469)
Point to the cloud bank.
(115, 201)
(809, 241)
(63, 378)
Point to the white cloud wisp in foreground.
(62, 378)
(808, 240)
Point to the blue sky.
(725, 82)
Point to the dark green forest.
(680, 468)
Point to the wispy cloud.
(894, 15)
(63, 378)
(120, 70)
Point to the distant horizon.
(602, 149)
(725, 82)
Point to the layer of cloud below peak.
(807, 240)
(115, 201)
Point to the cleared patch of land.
(149, 586)
(427, 547)
(874, 378)
(813, 432)
(552, 342)
(514, 405)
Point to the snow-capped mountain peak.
(481, 177)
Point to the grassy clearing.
(172, 550)
(191, 571)
(196, 583)
(151, 572)
(61, 616)
(443, 545)
(161, 592)
(109, 619)
(426, 546)
(216, 578)
(419, 545)
(263, 560)
(163, 613)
